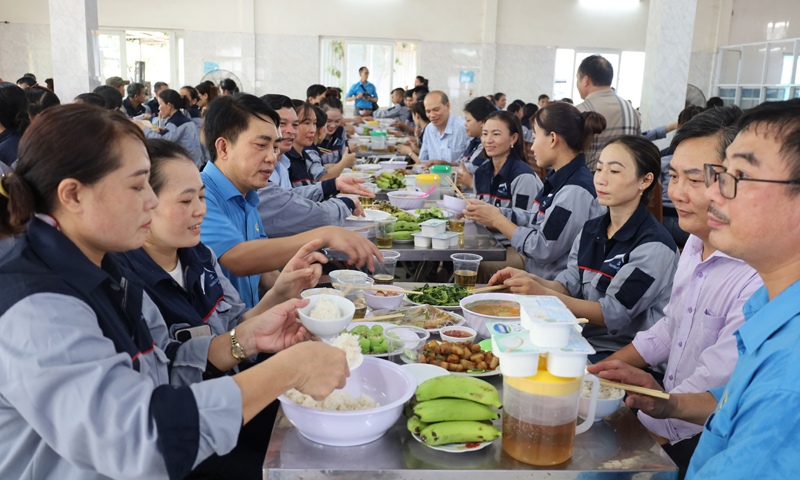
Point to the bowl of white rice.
(369, 404)
(327, 315)
(320, 291)
(609, 400)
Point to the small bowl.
(417, 168)
(327, 328)
(368, 168)
(443, 332)
(391, 166)
(454, 204)
(406, 200)
(319, 291)
(603, 409)
(338, 273)
(377, 302)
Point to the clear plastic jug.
(540, 415)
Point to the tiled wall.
(233, 51)
(286, 64)
(25, 47)
(701, 72)
(524, 72)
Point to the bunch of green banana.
(452, 409)
(459, 386)
(405, 217)
(390, 181)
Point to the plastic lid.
(378, 134)
(428, 178)
(545, 383)
(440, 169)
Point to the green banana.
(408, 409)
(459, 386)
(405, 235)
(452, 409)
(415, 425)
(458, 432)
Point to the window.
(628, 73)
(161, 52)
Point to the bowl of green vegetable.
(445, 297)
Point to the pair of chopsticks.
(458, 191)
(363, 228)
(382, 289)
(382, 317)
(633, 388)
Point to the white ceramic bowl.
(454, 204)
(377, 302)
(604, 408)
(327, 328)
(368, 168)
(339, 273)
(319, 291)
(391, 166)
(471, 338)
(386, 382)
(478, 321)
(406, 200)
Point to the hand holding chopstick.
(627, 374)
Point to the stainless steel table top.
(618, 447)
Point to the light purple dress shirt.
(695, 337)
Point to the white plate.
(494, 372)
(369, 325)
(403, 242)
(370, 216)
(456, 447)
(447, 214)
(458, 318)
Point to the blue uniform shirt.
(359, 87)
(9, 143)
(230, 220)
(754, 431)
(447, 146)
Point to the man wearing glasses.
(751, 424)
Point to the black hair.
(566, 100)
(303, 109)
(419, 109)
(423, 80)
(328, 103)
(277, 101)
(193, 95)
(543, 96)
(518, 102)
(30, 75)
(421, 98)
(228, 85)
(688, 113)
(719, 122)
(91, 99)
(781, 121)
(207, 88)
(228, 116)
(514, 108)
(27, 81)
(480, 108)
(714, 102)
(13, 108)
(70, 141)
(361, 69)
(334, 92)
(598, 69)
(160, 152)
(647, 158)
(422, 90)
(322, 117)
(408, 93)
(497, 96)
(40, 99)
(399, 89)
(574, 126)
(529, 110)
(315, 90)
(111, 95)
(170, 96)
(158, 85)
(513, 125)
(135, 89)
(49, 83)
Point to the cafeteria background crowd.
(154, 246)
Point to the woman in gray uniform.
(86, 391)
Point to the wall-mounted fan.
(217, 76)
(694, 96)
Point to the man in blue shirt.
(445, 139)
(242, 138)
(364, 93)
(751, 424)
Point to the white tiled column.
(74, 41)
(670, 27)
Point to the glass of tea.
(457, 225)
(385, 231)
(465, 266)
(353, 288)
(384, 271)
(366, 202)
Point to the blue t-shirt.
(230, 220)
(755, 429)
(359, 87)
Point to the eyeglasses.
(728, 184)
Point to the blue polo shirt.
(230, 220)
(359, 87)
(755, 430)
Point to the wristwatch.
(236, 349)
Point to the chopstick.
(363, 228)
(382, 317)
(382, 289)
(583, 320)
(489, 289)
(457, 189)
(634, 389)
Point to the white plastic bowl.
(386, 382)
(327, 328)
(478, 321)
(433, 227)
(604, 408)
(370, 217)
(372, 168)
(391, 166)
(443, 333)
(406, 200)
(454, 204)
(417, 168)
(421, 240)
(376, 302)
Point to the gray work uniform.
(284, 213)
(567, 200)
(629, 274)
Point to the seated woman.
(335, 141)
(620, 269)
(475, 113)
(332, 161)
(206, 91)
(85, 388)
(176, 127)
(566, 201)
(191, 98)
(505, 181)
(303, 169)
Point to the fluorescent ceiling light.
(610, 4)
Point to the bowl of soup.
(483, 308)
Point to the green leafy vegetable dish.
(441, 295)
(432, 213)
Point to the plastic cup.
(406, 343)
(465, 268)
(385, 231)
(353, 287)
(367, 202)
(384, 271)
(363, 144)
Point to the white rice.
(349, 343)
(605, 393)
(325, 310)
(341, 401)
(323, 291)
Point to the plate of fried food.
(463, 358)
